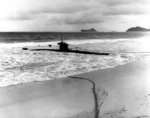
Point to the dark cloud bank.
(83, 12)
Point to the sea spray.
(23, 66)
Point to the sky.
(73, 15)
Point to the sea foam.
(23, 66)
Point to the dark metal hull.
(72, 51)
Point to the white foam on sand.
(23, 66)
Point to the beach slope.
(128, 88)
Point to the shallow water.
(128, 94)
(23, 66)
(127, 87)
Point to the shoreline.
(19, 66)
(69, 97)
(106, 64)
(90, 70)
(79, 74)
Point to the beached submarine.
(64, 47)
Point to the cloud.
(72, 13)
(57, 6)
(126, 10)
(81, 18)
(89, 17)
(126, 7)
(96, 11)
(124, 2)
(19, 17)
(67, 9)
(81, 9)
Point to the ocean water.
(22, 66)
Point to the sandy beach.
(74, 59)
(128, 88)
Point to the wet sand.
(128, 88)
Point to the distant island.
(137, 29)
(89, 30)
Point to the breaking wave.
(23, 66)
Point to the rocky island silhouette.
(137, 29)
(89, 30)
